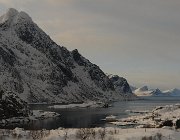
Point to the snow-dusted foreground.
(159, 124)
(159, 117)
(109, 133)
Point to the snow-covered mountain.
(39, 70)
(172, 92)
(120, 84)
(157, 92)
(144, 91)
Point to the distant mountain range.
(172, 92)
(34, 67)
(144, 91)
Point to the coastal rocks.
(40, 114)
(82, 105)
(163, 116)
(177, 124)
(34, 116)
(111, 118)
(12, 106)
(14, 110)
(166, 123)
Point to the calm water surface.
(92, 117)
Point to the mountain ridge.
(144, 91)
(39, 70)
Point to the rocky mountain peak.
(39, 70)
(9, 15)
(156, 92)
(13, 17)
(120, 84)
(141, 89)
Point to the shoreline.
(35, 116)
(138, 132)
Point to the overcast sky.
(136, 39)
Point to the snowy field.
(160, 116)
(109, 133)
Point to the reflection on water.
(77, 118)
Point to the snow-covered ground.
(108, 133)
(159, 124)
(159, 117)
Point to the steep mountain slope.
(34, 66)
(132, 88)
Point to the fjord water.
(92, 117)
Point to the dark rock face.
(120, 84)
(41, 71)
(12, 106)
(77, 57)
(8, 56)
(167, 123)
(177, 124)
